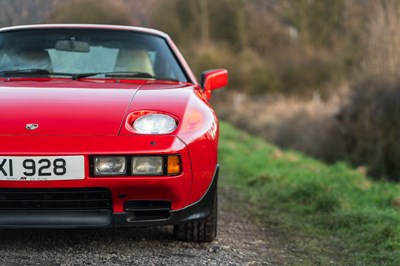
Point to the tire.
(204, 230)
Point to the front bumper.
(152, 215)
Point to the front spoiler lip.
(196, 211)
(105, 218)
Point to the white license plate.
(42, 168)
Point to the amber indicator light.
(174, 165)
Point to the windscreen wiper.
(114, 74)
(76, 76)
(30, 72)
(122, 75)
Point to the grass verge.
(332, 212)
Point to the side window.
(161, 66)
(4, 61)
(152, 56)
(158, 65)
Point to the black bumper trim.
(55, 219)
(105, 218)
(198, 210)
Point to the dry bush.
(382, 47)
(91, 11)
(372, 115)
(373, 125)
(308, 126)
(247, 71)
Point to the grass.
(329, 213)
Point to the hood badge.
(31, 126)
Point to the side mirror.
(213, 79)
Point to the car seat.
(133, 60)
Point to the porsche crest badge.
(31, 126)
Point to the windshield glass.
(89, 51)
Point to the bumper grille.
(144, 210)
(55, 199)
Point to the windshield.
(66, 51)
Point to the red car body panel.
(90, 116)
(78, 117)
(63, 111)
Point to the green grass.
(327, 212)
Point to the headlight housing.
(135, 165)
(109, 165)
(147, 165)
(154, 124)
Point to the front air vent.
(55, 199)
(146, 210)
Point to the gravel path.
(239, 242)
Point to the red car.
(105, 126)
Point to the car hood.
(95, 110)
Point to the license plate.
(42, 168)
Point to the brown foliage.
(91, 11)
(373, 125)
(308, 126)
(372, 115)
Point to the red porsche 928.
(105, 126)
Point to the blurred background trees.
(290, 47)
(320, 76)
(90, 11)
(372, 115)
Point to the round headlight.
(154, 124)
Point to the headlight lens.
(154, 124)
(151, 165)
(109, 165)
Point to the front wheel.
(204, 230)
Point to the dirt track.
(239, 242)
